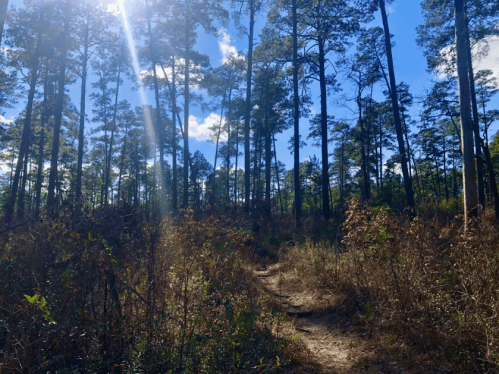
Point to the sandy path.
(334, 349)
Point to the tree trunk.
(268, 158)
(277, 176)
(296, 120)
(24, 147)
(4, 4)
(228, 145)
(113, 129)
(469, 173)
(326, 211)
(476, 126)
(185, 200)
(398, 125)
(52, 203)
(159, 124)
(123, 152)
(81, 135)
(247, 116)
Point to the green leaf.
(32, 299)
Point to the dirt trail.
(334, 349)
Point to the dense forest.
(123, 250)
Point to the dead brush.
(431, 288)
(177, 298)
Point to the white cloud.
(491, 60)
(5, 121)
(485, 56)
(227, 50)
(200, 129)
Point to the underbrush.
(170, 298)
(428, 288)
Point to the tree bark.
(52, 202)
(4, 4)
(185, 200)
(24, 147)
(174, 138)
(326, 210)
(81, 135)
(398, 124)
(268, 158)
(247, 116)
(469, 172)
(476, 126)
(296, 120)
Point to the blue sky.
(410, 67)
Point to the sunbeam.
(142, 94)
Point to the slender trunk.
(247, 116)
(174, 138)
(296, 120)
(228, 145)
(123, 152)
(268, 156)
(52, 203)
(445, 172)
(476, 127)
(381, 157)
(4, 4)
(218, 140)
(111, 140)
(159, 123)
(326, 211)
(81, 139)
(398, 125)
(235, 172)
(185, 200)
(40, 173)
(277, 176)
(469, 172)
(24, 147)
(22, 190)
(493, 185)
(365, 173)
(490, 166)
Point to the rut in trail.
(331, 345)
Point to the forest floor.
(332, 346)
(337, 343)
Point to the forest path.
(332, 346)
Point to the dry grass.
(425, 290)
(175, 297)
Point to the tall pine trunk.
(326, 211)
(185, 200)
(24, 147)
(396, 112)
(52, 203)
(4, 4)
(476, 126)
(469, 172)
(247, 116)
(81, 138)
(296, 120)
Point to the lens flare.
(143, 98)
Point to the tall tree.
(27, 36)
(252, 7)
(187, 16)
(327, 26)
(65, 11)
(396, 112)
(90, 24)
(469, 172)
(4, 4)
